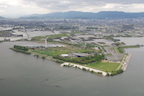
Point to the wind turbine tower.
(28, 35)
(46, 41)
(47, 38)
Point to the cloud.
(87, 5)
(3, 6)
(15, 8)
(1, 10)
(81, 2)
(25, 7)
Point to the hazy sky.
(13, 8)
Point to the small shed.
(64, 55)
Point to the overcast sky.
(14, 8)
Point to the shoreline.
(84, 68)
(76, 66)
(125, 62)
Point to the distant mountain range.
(1, 17)
(85, 15)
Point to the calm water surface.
(26, 75)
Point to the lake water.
(26, 75)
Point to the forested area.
(21, 49)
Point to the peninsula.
(96, 58)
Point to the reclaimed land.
(103, 68)
(106, 67)
(89, 63)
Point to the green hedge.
(115, 72)
(22, 51)
(20, 47)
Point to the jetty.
(84, 68)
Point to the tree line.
(20, 47)
(81, 60)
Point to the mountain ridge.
(1, 17)
(85, 15)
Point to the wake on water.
(47, 83)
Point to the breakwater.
(125, 62)
(84, 68)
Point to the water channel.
(26, 75)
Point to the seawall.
(125, 62)
(83, 67)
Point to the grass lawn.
(135, 46)
(37, 38)
(58, 35)
(116, 50)
(62, 50)
(51, 53)
(104, 66)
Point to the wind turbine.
(85, 44)
(28, 35)
(46, 41)
(47, 38)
